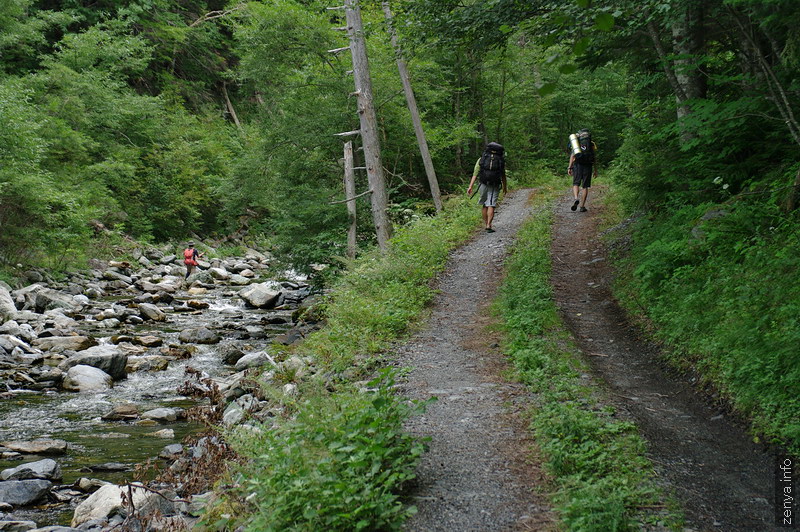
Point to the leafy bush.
(338, 465)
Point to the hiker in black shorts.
(582, 166)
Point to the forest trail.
(723, 480)
(476, 475)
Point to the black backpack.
(493, 165)
(586, 156)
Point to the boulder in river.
(149, 311)
(261, 295)
(107, 501)
(48, 299)
(17, 526)
(200, 335)
(164, 415)
(254, 360)
(122, 412)
(108, 358)
(47, 469)
(24, 492)
(59, 344)
(87, 379)
(7, 307)
(42, 446)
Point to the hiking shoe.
(489, 230)
(583, 209)
(574, 205)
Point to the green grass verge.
(336, 456)
(602, 478)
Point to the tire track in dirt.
(724, 481)
(476, 475)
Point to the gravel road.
(477, 474)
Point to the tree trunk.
(411, 101)
(229, 105)
(688, 42)
(350, 192)
(369, 124)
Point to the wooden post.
(411, 101)
(369, 124)
(350, 192)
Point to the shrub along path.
(476, 474)
(723, 480)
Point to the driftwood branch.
(350, 199)
(348, 133)
(211, 15)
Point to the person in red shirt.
(190, 256)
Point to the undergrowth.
(719, 284)
(602, 477)
(336, 456)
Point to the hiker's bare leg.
(485, 214)
(585, 195)
(575, 190)
(489, 217)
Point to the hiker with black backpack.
(582, 165)
(491, 170)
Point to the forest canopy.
(158, 119)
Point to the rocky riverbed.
(94, 374)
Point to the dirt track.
(479, 475)
(724, 481)
(476, 475)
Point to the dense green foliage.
(338, 458)
(717, 281)
(338, 465)
(597, 462)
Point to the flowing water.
(76, 417)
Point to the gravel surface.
(722, 478)
(477, 473)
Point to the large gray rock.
(7, 307)
(87, 379)
(25, 298)
(17, 526)
(220, 274)
(239, 280)
(199, 336)
(59, 344)
(261, 295)
(107, 502)
(42, 446)
(122, 412)
(48, 299)
(113, 275)
(22, 331)
(108, 358)
(151, 312)
(23, 492)
(254, 360)
(163, 415)
(46, 469)
(8, 343)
